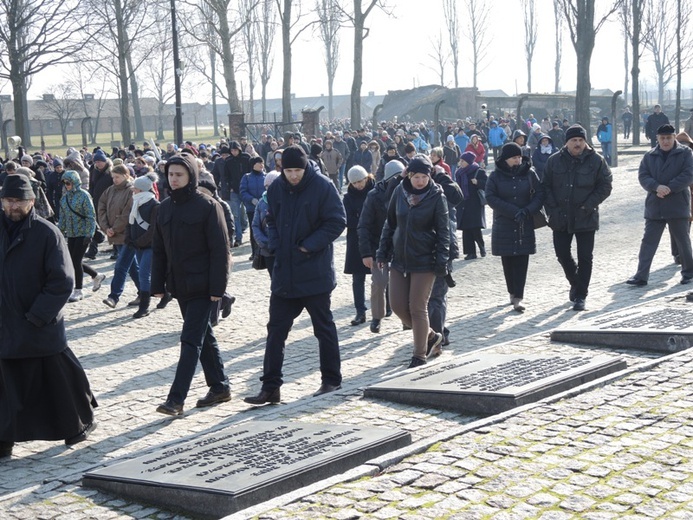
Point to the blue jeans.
(606, 152)
(125, 264)
(239, 217)
(282, 313)
(342, 169)
(197, 341)
(358, 287)
(144, 261)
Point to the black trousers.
(577, 273)
(515, 272)
(76, 247)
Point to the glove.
(441, 270)
(521, 215)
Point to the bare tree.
(91, 80)
(453, 25)
(439, 57)
(266, 31)
(477, 25)
(683, 60)
(330, 23)
(250, 38)
(580, 18)
(636, 36)
(558, 26)
(32, 38)
(624, 16)
(530, 20)
(60, 101)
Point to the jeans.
(358, 287)
(126, 263)
(438, 305)
(282, 313)
(144, 261)
(342, 169)
(197, 341)
(578, 274)
(679, 230)
(606, 152)
(239, 216)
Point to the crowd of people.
(172, 216)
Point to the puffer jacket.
(373, 215)
(114, 210)
(252, 187)
(674, 171)
(353, 206)
(77, 215)
(575, 187)
(416, 239)
(509, 190)
(260, 226)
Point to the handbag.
(481, 193)
(259, 262)
(539, 219)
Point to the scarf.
(414, 196)
(463, 175)
(546, 149)
(138, 199)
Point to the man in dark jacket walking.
(666, 173)
(44, 392)
(305, 216)
(191, 258)
(577, 179)
(654, 121)
(235, 167)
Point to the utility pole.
(177, 72)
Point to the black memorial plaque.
(484, 383)
(229, 470)
(662, 328)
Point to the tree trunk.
(625, 80)
(635, 71)
(584, 45)
(330, 101)
(227, 64)
(213, 65)
(286, 53)
(529, 75)
(123, 76)
(358, 68)
(64, 136)
(677, 117)
(21, 127)
(139, 129)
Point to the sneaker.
(170, 408)
(75, 296)
(97, 281)
(214, 398)
(110, 302)
(416, 362)
(433, 348)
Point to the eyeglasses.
(16, 203)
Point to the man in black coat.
(44, 392)
(654, 121)
(191, 259)
(666, 173)
(236, 166)
(304, 218)
(577, 180)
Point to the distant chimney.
(88, 97)
(48, 97)
(371, 94)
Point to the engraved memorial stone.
(662, 328)
(484, 383)
(220, 473)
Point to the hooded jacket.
(539, 157)
(77, 215)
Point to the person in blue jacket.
(540, 157)
(252, 188)
(604, 137)
(496, 138)
(305, 216)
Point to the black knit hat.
(190, 164)
(420, 164)
(666, 130)
(575, 131)
(509, 150)
(17, 187)
(315, 149)
(254, 160)
(294, 157)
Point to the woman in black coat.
(471, 218)
(360, 183)
(515, 193)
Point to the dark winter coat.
(252, 187)
(654, 121)
(675, 170)
(36, 279)
(539, 159)
(416, 239)
(137, 236)
(470, 213)
(234, 169)
(373, 216)
(363, 158)
(309, 215)
(507, 192)
(190, 248)
(451, 154)
(99, 181)
(353, 205)
(454, 197)
(575, 187)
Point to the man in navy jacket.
(304, 218)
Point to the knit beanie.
(143, 183)
(392, 168)
(17, 187)
(57, 162)
(420, 164)
(509, 150)
(99, 155)
(27, 158)
(254, 161)
(270, 177)
(294, 157)
(315, 149)
(468, 157)
(356, 174)
(575, 131)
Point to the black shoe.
(90, 257)
(388, 313)
(470, 257)
(433, 346)
(572, 294)
(164, 301)
(689, 297)
(326, 389)
(416, 362)
(6, 449)
(81, 436)
(136, 301)
(685, 280)
(170, 408)
(405, 327)
(237, 243)
(226, 305)
(265, 396)
(358, 320)
(375, 326)
(636, 282)
(482, 251)
(579, 304)
(214, 398)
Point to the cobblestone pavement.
(622, 449)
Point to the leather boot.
(143, 310)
